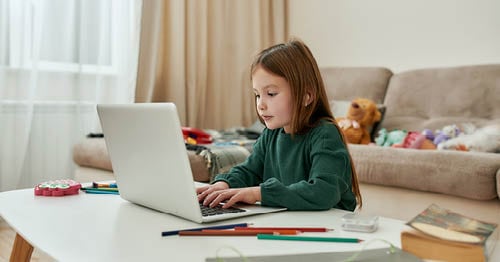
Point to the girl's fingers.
(245, 195)
(202, 194)
(201, 189)
(234, 196)
(210, 197)
(206, 190)
(231, 201)
(215, 198)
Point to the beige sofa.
(397, 182)
(401, 182)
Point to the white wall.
(398, 34)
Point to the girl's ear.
(308, 98)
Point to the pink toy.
(57, 188)
(413, 140)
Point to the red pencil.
(301, 229)
(218, 232)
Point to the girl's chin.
(272, 127)
(269, 125)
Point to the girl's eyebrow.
(267, 87)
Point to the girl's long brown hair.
(294, 61)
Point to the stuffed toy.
(448, 132)
(361, 116)
(485, 139)
(381, 137)
(394, 138)
(428, 134)
(418, 140)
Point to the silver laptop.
(150, 161)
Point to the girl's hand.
(206, 190)
(249, 195)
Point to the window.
(66, 35)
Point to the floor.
(7, 236)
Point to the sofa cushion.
(433, 98)
(347, 83)
(92, 152)
(470, 175)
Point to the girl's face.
(274, 99)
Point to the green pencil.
(304, 238)
(101, 190)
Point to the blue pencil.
(229, 226)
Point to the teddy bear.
(361, 116)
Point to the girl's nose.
(261, 105)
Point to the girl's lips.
(266, 117)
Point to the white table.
(88, 227)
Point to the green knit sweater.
(306, 172)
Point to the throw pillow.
(373, 133)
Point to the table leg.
(22, 250)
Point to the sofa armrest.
(92, 152)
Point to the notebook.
(150, 161)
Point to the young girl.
(301, 160)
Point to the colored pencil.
(96, 191)
(301, 229)
(100, 188)
(228, 226)
(218, 232)
(105, 185)
(307, 238)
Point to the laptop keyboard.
(211, 211)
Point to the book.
(440, 234)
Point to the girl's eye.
(272, 94)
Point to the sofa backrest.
(433, 98)
(348, 83)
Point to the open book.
(445, 235)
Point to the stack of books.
(440, 234)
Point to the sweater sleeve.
(328, 181)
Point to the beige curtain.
(197, 54)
